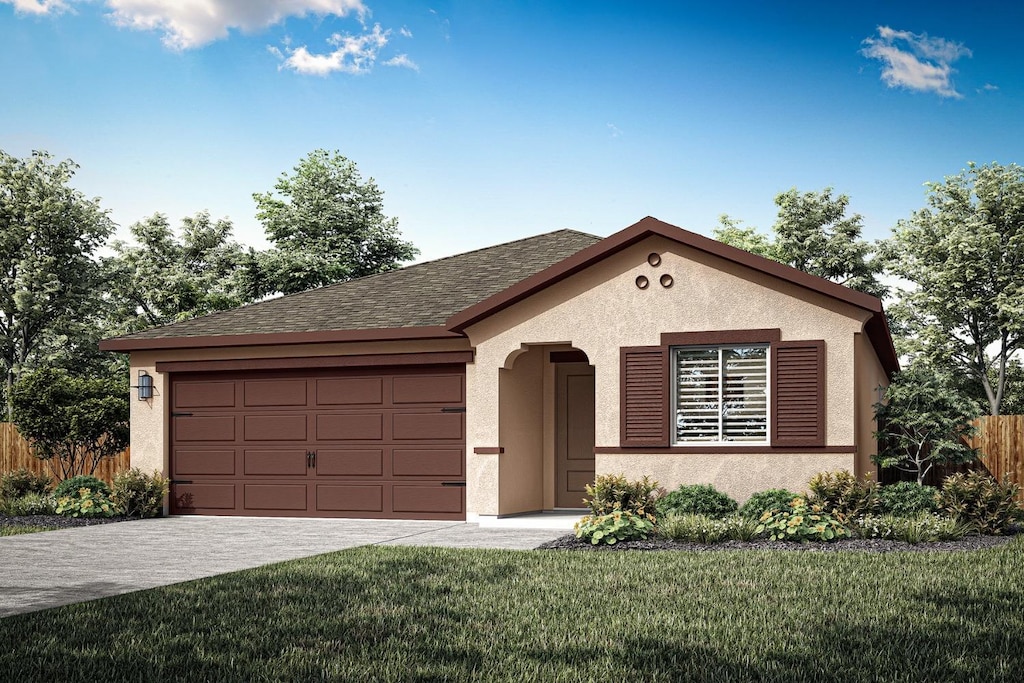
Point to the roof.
(418, 299)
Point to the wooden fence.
(15, 453)
(1000, 438)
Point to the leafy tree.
(48, 278)
(164, 278)
(813, 233)
(964, 255)
(72, 422)
(923, 418)
(326, 226)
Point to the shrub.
(843, 495)
(704, 529)
(28, 504)
(907, 499)
(924, 527)
(85, 503)
(20, 482)
(698, 499)
(138, 494)
(613, 493)
(762, 501)
(981, 501)
(70, 487)
(621, 525)
(801, 521)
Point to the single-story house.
(499, 381)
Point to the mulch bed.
(59, 521)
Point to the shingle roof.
(424, 294)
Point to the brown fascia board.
(878, 329)
(126, 344)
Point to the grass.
(17, 529)
(405, 614)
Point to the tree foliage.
(923, 418)
(164, 278)
(48, 277)
(326, 225)
(814, 234)
(964, 255)
(71, 422)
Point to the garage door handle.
(460, 409)
(453, 483)
(181, 481)
(310, 458)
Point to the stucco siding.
(869, 377)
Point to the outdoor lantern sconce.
(145, 386)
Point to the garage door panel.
(345, 391)
(275, 497)
(427, 389)
(204, 395)
(204, 428)
(349, 463)
(283, 463)
(204, 496)
(199, 462)
(274, 392)
(352, 498)
(275, 427)
(422, 462)
(350, 427)
(413, 499)
(428, 426)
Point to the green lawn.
(436, 614)
(23, 529)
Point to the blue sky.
(490, 121)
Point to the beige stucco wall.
(870, 375)
(521, 434)
(601, 309)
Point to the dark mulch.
(874, 545)
(59, 521)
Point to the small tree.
(923, 420)
(71, 422)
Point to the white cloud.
(614, 131)
(352, 54)
(915, 61)
(193, 23)
(38, 7)
(405, 33)
(402, 61)
(988, 87)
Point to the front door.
(574, 433)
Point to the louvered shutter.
(798, 403)
(644, 389)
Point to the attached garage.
(349, 442)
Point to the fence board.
(1000, 438)
(15, 453)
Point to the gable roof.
(410, 302)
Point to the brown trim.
(278, 338)
(574, 356)
(366, 360)
(765, 336)
(649, 226)
(711, 450)
(488, 450)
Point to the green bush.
(697, 499)
(705, 529)
(924, 527)
(621, 525)
(981, 501)
(613, 493)
(70, 487)
(762, 501)
(843, 495)
(85, 503)
(801, 521)
(20, 482)
(907, 499)
(28, 504)
(138, 494)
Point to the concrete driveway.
(53, 568)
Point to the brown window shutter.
(798, 393)
(644, 396)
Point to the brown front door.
(574, 433)
(376, 443)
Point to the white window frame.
(674, 412)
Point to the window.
(720, 394)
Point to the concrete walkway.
(53, 568)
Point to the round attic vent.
(642, 282)
(666, 280)
(654, 259)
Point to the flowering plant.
(85, 503)
(800, 521)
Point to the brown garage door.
(341, 443)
